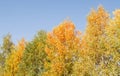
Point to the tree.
(111, 43)
(5, 50)
(14, 59)
(91, 53)
(65, 51)
(62, 49)
(32, 63)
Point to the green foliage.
(5, 50)
(65, 51)
(32, 63)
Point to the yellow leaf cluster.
(15, 58)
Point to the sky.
(23, 18)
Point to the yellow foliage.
(14, 59)
(71, 53)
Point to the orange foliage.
(63, 42)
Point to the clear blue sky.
(23, 18)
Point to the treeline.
(66, 51)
